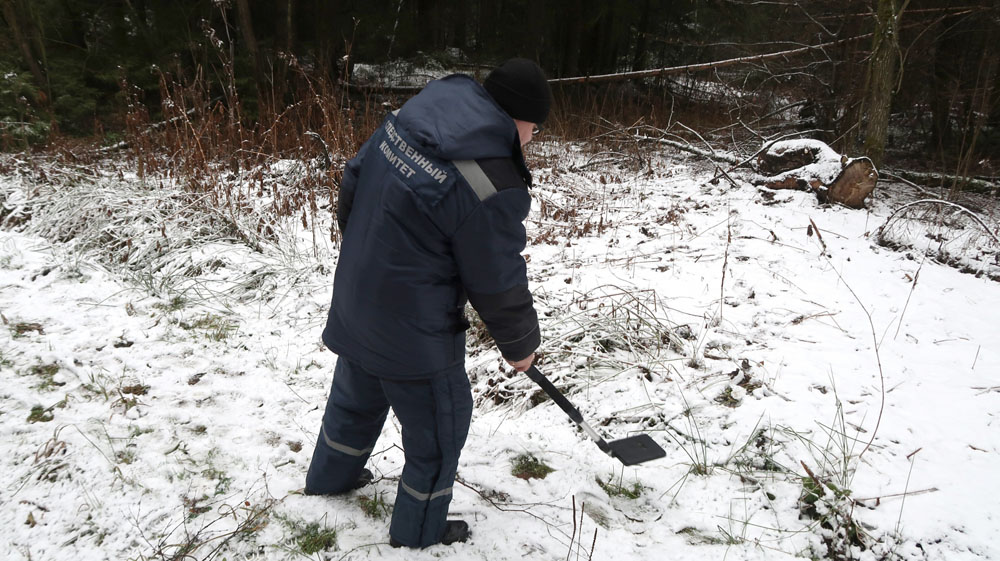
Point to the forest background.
(168, 174)
(910, 84)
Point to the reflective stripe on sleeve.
(343, 447)
(424, 496)
(476, 178)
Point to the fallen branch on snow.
(972, 184)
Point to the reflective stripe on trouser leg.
(342, 448)
(424, 496)
(435, 417)
(355, 413)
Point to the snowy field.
(818, 395)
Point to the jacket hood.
(454, 118)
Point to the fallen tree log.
(966, 184)
(688, 68)
(811, 165)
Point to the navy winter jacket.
(432, 212)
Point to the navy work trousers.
(434, 413)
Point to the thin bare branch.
(702, 66)
(960, 208)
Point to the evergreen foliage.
(63, 63)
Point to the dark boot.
(365, 478)
(454, 531)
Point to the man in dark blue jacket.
(431, 210)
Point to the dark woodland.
(910, 84)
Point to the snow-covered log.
(811, 165)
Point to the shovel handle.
(568, 407)
(555, 394)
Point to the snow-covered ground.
(808, 385)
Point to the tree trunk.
(571, 59)
(639, 55)
(460, 21)
(284, 43)
(941, 94)
(10, 15)
(246, 27)
(538, 30)
(608, 60)
(488, 17)
(284, 25)
(427, 22)
(881, 79)
(979, 111)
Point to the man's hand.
(523, 364)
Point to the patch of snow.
(174, 397)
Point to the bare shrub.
(945, 231)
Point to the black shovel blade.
(636, 449)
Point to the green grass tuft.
(46, 373)
(194, 507)
(375, 506)
(222, 480)
(174, 304)
(126, 456)
(726, 398)
(40, 414)
(617, 490)
(5, 362)
(527, 466)
(313, 538)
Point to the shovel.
(630, 451)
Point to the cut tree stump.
(811, 165)
(854, 184)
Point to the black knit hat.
(520, 88)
